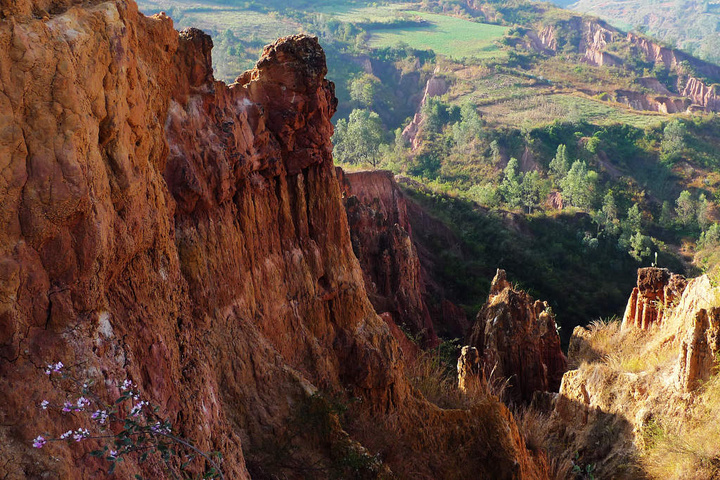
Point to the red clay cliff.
(160, 226)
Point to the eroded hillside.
(163, 227)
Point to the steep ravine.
(161, 226)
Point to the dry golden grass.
(537, 429)
(438, 383)
(688, 447)
(624, 351)
(683, 440)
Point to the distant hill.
(691, 25)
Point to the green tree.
(560, 164)
(396, 155)
(606, 218)
(358, 139)
(666, 218)
(578, 186)
(629, 227)
(485, 194)
(673, 141)
(511, 184)
(685, 208)
(703, 212)
(640, 246)
(363, 89)
(469, 127)
(437, 114)
(633, 222)
(495, 151)
(531, 190)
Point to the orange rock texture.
(161, 226)
(656, 293)
(518, 340)
(382, 239)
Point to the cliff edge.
(160, 226)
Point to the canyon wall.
(395, 263)
(382, 240)
(163, 227)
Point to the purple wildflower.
(137, 409)
(39, 442)
(44, 404)
(100, 415)
(80, 433)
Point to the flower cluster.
(101, 416)
(39, 441)
(80, 433)
(128, 426)
(137, 408)
(54, 368)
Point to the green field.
(245, 24)
(531, 111)
(453, 37)
(378, 13)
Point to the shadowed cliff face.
(160, 226)
(382, 240)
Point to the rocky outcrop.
(592, 39)
(382, 240)
(671, 58)
(397, 267)
(435, 87)
(518, 341)
(699, 349)
(655, 296)
(469, 368)
(633, 378)
(652, 103)
(703, 95)
(160, 226)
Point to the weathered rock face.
(703, 95)
(699, 349)
(518, 340)
(435, 87)
(160, 226)
(690, 87)
(382, 240)
(594, 37)
(469, 368)
(672, 330)
(652, 103)
(656, 293)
